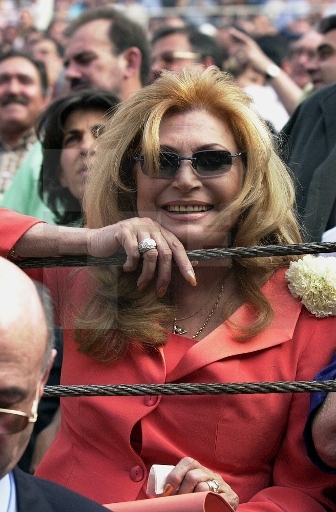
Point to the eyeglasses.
(12, 421)
(207, 163)
(171, 57)
(299, 52)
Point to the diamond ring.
(213, 485)
(146, 245)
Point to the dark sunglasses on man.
(12, 421)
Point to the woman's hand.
(190, 476)
(128, 234)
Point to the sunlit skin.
(19, 79)
(170, 44)
(23, 335)
(89, 59)
(322, 68)
(46, 51)
(301, 52)
(80, 133)
(184, 134)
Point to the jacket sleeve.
(12, 226)
(297, 484)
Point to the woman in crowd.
(48, 194)
(68, 129)
(185, 164)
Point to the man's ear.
(133, 59)
(47, 371)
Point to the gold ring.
(213, 485)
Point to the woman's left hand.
(190, 476)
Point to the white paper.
(157, 478)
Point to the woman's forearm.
(46, 240)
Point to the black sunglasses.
(207, 163)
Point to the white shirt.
(8, 494)
(268, 104)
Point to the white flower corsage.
(313, 280)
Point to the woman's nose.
(186, 177)
(87, 145)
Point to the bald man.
(26, 355)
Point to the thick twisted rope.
(187, 388)
(231, 388)
(204, 254)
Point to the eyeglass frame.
(32, 418)
(170, 57)
(192, 160)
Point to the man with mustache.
(23, 95)
(105, 50)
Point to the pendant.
(177, 329)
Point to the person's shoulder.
(325, 94)
(49, 496)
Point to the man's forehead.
(88, 36)
(45, 45)
(172, 42)
(18, 65)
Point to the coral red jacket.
(106, 445)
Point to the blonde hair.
(118, 315)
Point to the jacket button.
(137, 473)
(150, 400)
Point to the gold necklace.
(177, 329)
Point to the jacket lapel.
(221, 343)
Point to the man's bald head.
(20, 306)
(24, 349)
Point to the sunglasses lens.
(212, 163)
(12, 423)
(168, 165)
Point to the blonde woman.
(185, 164)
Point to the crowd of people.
(154, 139)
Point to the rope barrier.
(204, 254)
(231, 388)
(187, 388)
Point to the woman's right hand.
(128, 234)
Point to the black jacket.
(37, 495)
(309, 150)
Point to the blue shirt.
(316, 399)
(8, 494)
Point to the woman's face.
(80, 133)
(187, 205)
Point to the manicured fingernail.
(161, 292)
(192, 277)
(142, 287)
(168, 489)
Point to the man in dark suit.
(308, 146)
(26, 355)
